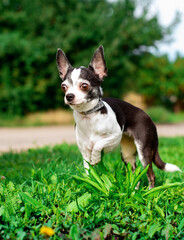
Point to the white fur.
(75, 75)
(171, 168)
(96, 132)
(86, 166)
(79, 102)
(85, 106)
(139, 151)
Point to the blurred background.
(132, 35)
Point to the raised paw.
(96, 158)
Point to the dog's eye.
(84, 86)
(64, 87)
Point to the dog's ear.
(98, 64)
(62, 63)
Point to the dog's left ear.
(98, 64)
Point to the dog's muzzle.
(70, 97)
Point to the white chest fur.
(96, 132)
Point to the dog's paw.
(94, 162)
(95, 157)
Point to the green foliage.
(31, 33)
(161, 81)
(55, 192)
(161, 115)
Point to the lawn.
(49, 118)
(63, 117)
(44, 193)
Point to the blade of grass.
(107, 182)
(137, 179)
(166, 186)
(128, 179)
(30, 200)
(81, 201)
(92, 183)
(97, 178)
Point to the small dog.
(105, 123)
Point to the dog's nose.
(70, 97)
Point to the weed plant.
(48, 187)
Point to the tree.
(30, 33)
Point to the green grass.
(49, 118)
(63, 117)
(48, 187)
(162, 115)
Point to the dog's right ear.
(62, 63)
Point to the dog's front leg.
(107, 144)
(86, 154)
(96, 154)
(84, 147)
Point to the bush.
(162, 82)
(161, 115)
(31, 33)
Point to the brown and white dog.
(104, 123)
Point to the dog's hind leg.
(151, 177)
(128, 151)
(146, 155)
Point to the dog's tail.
(168, 167)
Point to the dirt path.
(17, 139)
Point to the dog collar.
(99, 105)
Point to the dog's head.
(82, 85)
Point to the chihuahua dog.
(104, 123)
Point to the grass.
(162, 115)
(63, 117)
(46, 190)
(52, 117)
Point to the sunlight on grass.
(52, 117)
(162, 115)
(63, 117)
(47, 189)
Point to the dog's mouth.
(75, 104)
